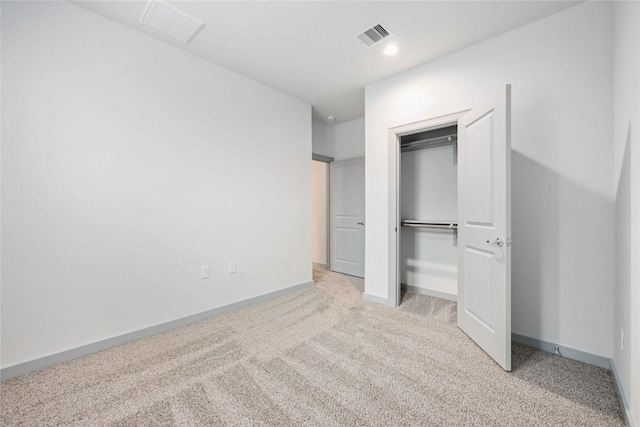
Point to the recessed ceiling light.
(331, 118)
(391, 50)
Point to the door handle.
(361, 223)
(498, 242)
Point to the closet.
(450, 217)
(429, 212)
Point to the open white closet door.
(484, 226)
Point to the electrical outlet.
(231, 268)
(621, 338)
(205, 272)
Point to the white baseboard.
(374, 298)
(53, 359)
(430, 292)
(568, 352)
(622, 398)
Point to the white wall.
(348, 139)
(128, 164)
(322, 139)
(626, 125)
(341, 141)
(562, 216)
(319, 189)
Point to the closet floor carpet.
(322, 357)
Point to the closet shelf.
(447, 225)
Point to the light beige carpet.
(320, 357)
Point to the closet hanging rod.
(448, 139)
(425, 224)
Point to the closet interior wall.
(429, 192)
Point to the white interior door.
(346, 178)
(484, 226)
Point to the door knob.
(361, 223)
(498, 242)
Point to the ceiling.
(308, 49)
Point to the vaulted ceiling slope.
(309, 49)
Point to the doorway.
(396, 135)
(338, 209)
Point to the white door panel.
(347, 248)
(484, 226)
(347, 216)
(345, 178)
(479, 292)
(478, 207)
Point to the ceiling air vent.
(374, 34)
(166, 18)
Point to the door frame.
(394, 192)
(327, 160)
